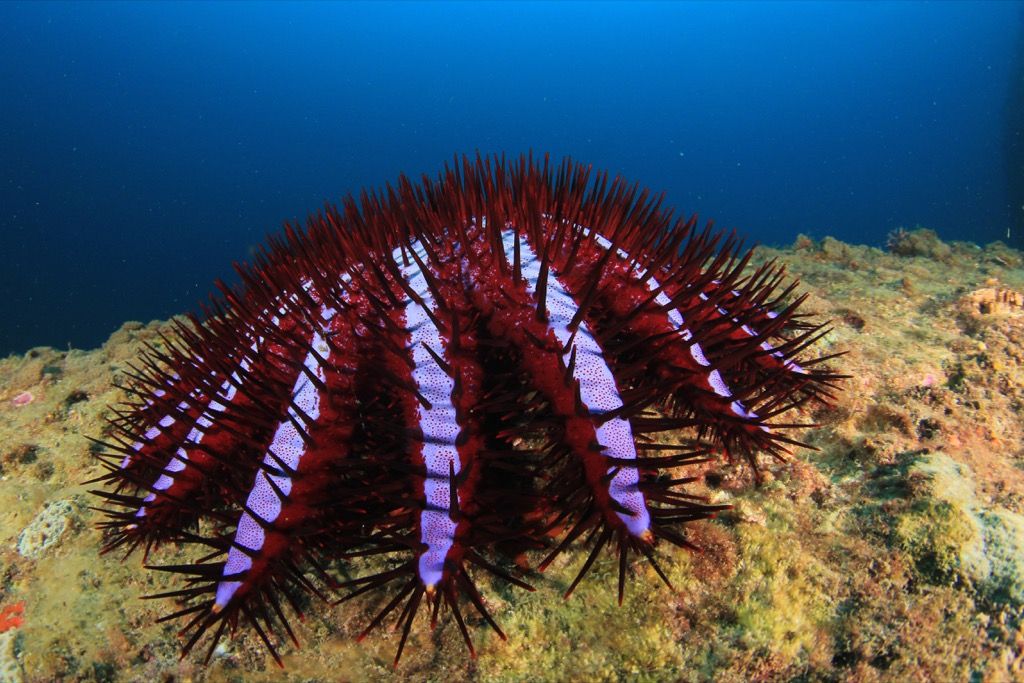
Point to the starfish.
(444, 375)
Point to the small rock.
(746, 511)
(46, 529)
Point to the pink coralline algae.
(23, 399)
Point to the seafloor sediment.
(893, 552)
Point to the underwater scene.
(512, 341)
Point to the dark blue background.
(144, 147)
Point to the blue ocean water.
(144, 147)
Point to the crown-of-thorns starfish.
(445, 375)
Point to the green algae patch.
(781, 592)
(782, 603)
(588, 637)
(935, 533)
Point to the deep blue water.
(144, 147)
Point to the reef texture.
(892, 552)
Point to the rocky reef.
(895, 551)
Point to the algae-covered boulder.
(952, 534)
(918, 242)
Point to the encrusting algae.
(894, 552)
